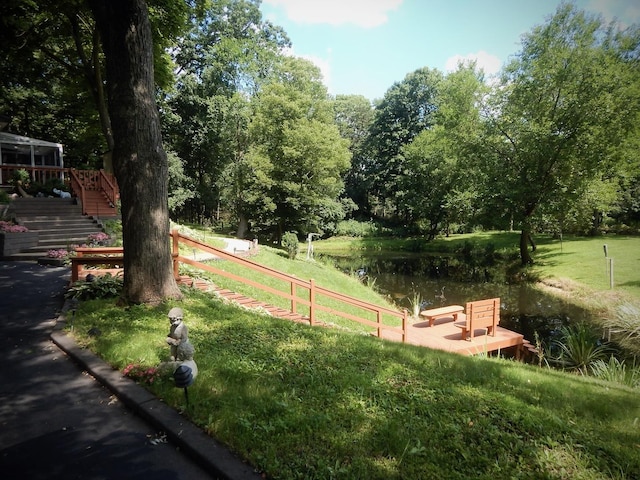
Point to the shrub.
(140, 373)
(578, 348)
(290, 243)
(60, 253)
(95, 239)
(106, 286)
(354, 228)
(20, 177)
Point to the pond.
(438, 280)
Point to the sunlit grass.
(303, 402)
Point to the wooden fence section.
(311, 293)
(297, 292)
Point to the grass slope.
(315, 403)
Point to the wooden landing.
(445, 336)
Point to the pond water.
(437, 280)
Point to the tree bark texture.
(139, 160)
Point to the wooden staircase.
(97, 192)
(59, 223)
(98, 206)
(244, 301)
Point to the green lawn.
(303, 403)
(583, 261)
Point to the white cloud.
(325, 68)
(362, 13)
(625, 12)
(487, 62)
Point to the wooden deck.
(444, 335)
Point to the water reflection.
(438, 280)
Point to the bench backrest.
(483, 313)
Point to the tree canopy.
(257, 144)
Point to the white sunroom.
(40, 158)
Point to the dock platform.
(444, 335)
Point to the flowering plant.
(141, 374)
(59, 253)
(12, 228)
(97, 238)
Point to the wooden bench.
(95, 256)
(434, 314)
(484, 314)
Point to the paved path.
(57, 421)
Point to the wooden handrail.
(108, 186)
(313, 290)
(311, 301)
(78, 187)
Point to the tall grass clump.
(624, 327)
(578, 348)
(616, 371)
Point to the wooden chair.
(483, 314)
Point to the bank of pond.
(430, 281)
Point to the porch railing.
(108, 186)
(37, 174)
(78, 187)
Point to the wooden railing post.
(294, 303)
(312, 302)
(405, 330)
(175, 252)
(379, 317)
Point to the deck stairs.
(59, 223)
(98, 206)
(244, 301)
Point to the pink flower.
(11, 228)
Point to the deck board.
(446, 336)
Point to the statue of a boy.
(178, 333)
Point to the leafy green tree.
(353, 116)
(439, 187)
(53, 81)
(557, 120)
(297, 157)
(180, 186)
(49, 85)
(406, 109)
(223, 59)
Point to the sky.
(365, 46)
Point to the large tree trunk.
(139, 161)
(525, 238)
(243, 226)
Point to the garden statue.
(181, 349)
(178, 333)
